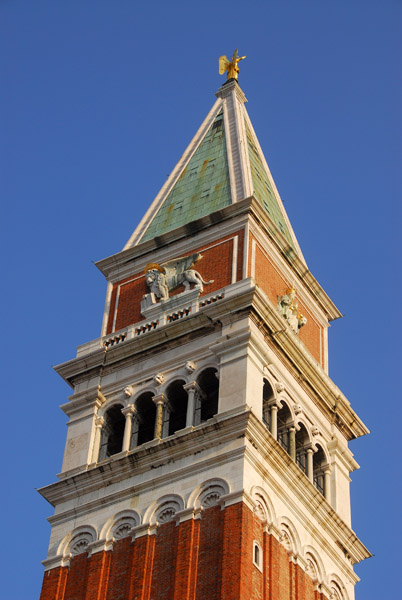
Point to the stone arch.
(77, 541)
(164, 509)
(289, 536)
(315, 567)
(210, 364)
(110, 404)
(120, 525)
(337, 588)
(208, 493)
(264, 508)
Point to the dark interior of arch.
(146, 410)
(209, 384)
(319, 460)
(302, 441)
(284, 419)
(177, 397)
(113, 430)
(267, 396)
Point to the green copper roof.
(263, 191)
(202, 188)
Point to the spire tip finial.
(231, 66)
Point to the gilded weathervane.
(231, 66)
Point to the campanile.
(207, 447)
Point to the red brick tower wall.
(210, 557)
(216, 264)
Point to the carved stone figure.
(128, 391)
(288, 307)
(190, 367)
(163, 278)
(159, 378)
(231, 66)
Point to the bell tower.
(207, 447)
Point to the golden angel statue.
(231, 66)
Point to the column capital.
(159, 399)
(192, 385)
(129, 410)
(99, 422)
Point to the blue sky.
(99, 99)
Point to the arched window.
(112, 432)
(257, 555)
(319, 464)
(284, 422)
(175, 416)
(209, 385)
(302, 443)
(146, 411)
(267, 397)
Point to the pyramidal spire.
(222, 165)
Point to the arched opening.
(112, 432)
(284, 422)
(146, 412)
(319, 464)
(267, 398)
(302, 443)
(177, 411)
(209, 385)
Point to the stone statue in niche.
(161, 279)
(288, 307)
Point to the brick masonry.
(210, 557)
(274, 285)
(216, 264)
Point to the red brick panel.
(231, 552)
(77, 578)
(128, 308)
(274, 285)
(273, 574)
(98, 576)
(258, 576)
(186, 560)
(240, 255)
(210, 554)
(119, 570)
(142, 561)
(216, 264)
(162, 584)
(54, 583)
(208, 558)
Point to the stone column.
(191, 389)
(310, 468)
(274, 420)
(128, 412)
(159, 401)
(327, 485)
(99, 423)
(292, 442)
